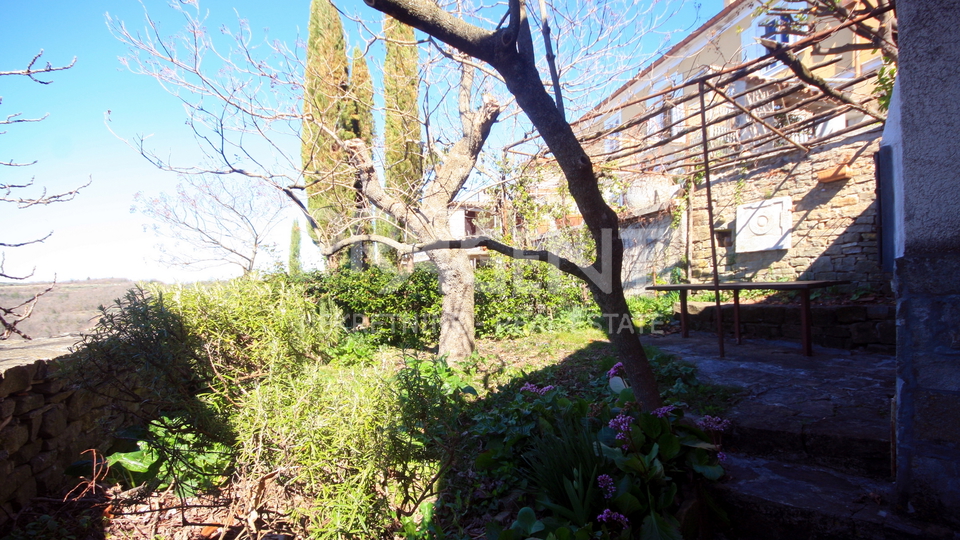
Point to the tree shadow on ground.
(485, 482)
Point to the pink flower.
(616, 370)
(663, 412)
(606, 484)
(609, 516)
(622, 423)
(713, 423)
(528, 387)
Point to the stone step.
(768, 499)
(845, 444)
(831, 409)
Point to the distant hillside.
(70, 308)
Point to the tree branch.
(359, 238)
(31, 72)
(19, 314)
(430, 18)
(564, 265)
(807, 76)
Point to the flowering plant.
(625, 481)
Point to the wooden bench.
(803, 286)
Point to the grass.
(70, 308)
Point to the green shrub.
(326, 430)
(185, 356)
(652, 312)
(512, 299)
(395, 308)
(171, 453)
(520, 298)
(142, 352)
(251, 328)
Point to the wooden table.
(803, 286)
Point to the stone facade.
(45, 424)
(834, 230)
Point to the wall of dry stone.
(45, 424)
(834, 233)
(872, 327)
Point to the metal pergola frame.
(764, 107)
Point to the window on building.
(612, 142)
(783, 23)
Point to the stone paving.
(809, 452)
(832, 408)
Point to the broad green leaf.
(610, 453)
(637, 438)
(608, 436)
(656, 528)
(667, 496)
(710, 472)
(628, 503)
(485, 461)
(669, 445)
(527, 522)
(651, 425)
(631, 464)
(139, 461)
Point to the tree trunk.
(457, 316)
(619, 328)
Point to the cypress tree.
(294, 267)
(324, 99)
(359, 122)
(401, 83)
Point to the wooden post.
(713, 234)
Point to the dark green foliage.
(358, 122)
(170, 453)
(563, 467)
(401, 85)
(653, 466)
(397, 309)
(403, 309)
(325, 99)
(425, 437)
(294, 266)
(517, 298)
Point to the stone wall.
(924, 119)
(45, 424)
(841, 327)
(652, 245)
(834, 233)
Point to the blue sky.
(96, 235)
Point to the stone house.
(791, 162)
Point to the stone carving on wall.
(764, 225)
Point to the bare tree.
(260, 96)
(20, 195)
(509, 50)
(214, 221)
